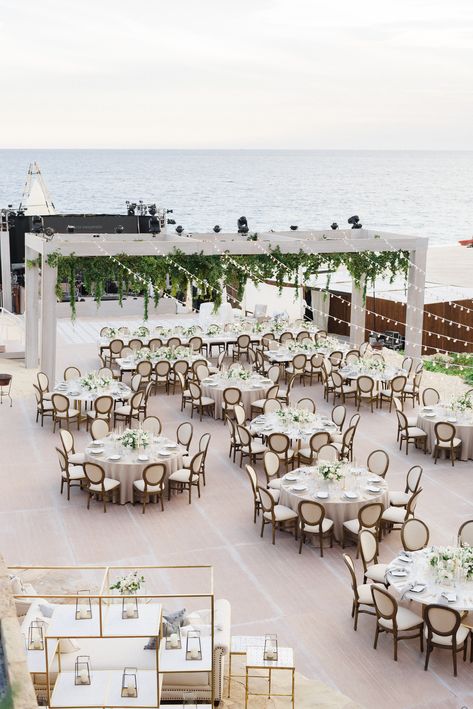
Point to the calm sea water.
(426, 193)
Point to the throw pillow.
(46, 609)
(67, 645)
(172, 622)
(151, 644)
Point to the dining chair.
(410, 434)
(129, 411)
(345, 448)
(200, 403)
(160, 377)
(103, 409)
(145, 368)
(336, 358)
(393, 517)
(303, 335)
(414, 535)
(151, 484)
(186, 397)
(297, 367)
(71, 475)
(284, 394)
(152, 424)
(44, 407)
(446, 440)
(231, 397)
(278, 516)
(369, 551)
(366, 391)
(444, 630)
(341, 390)
(241, 348)
(250, 471)
(64, 412)
(235, 443)
(174, 342)
(248, 447)
(411, 420)
(395, 389)
(406, 365)
(114, 351)
(465, 533)
(364, 347)
(270, 406)
(328, 453)
(68, 445)
(135, 344)
(272, 465)
(196, 343)
(313, 367)
(143, 408)
(273, 373)
(99, 429)
(106, 373)
(286, 337)
(338, 416)
(99, 485)
(352, 357)
(378, 463)
(184, 434)
(280, 443)
(361, 593)
(43, 384)
(400, 498)
(411, 391)
(201, 371)
(180, 366)
(258, 405)
(155, 343)
(308, 455)
(430, 397)
(312, 520)
(71, 373)
(186, 478)
(395, 620)
(368, 517)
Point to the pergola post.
(48, 320)
(357, 315)
(31, 309)
(415, 302)
(6, 269)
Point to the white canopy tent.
(340, 241)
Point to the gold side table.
(238, 646)
(255, 661)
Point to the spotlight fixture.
(37, 225)
(334, 225)
(242, 224)
(96, 236)
(179, 229)
(358, 225)
(293, 227)
(131, 206)
(152, 210)
(49, 233)
(354, 220)
(119, 229)
(217, 228)
(70, 229)
(154, 225)
(171, 221)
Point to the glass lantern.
(82, 670)
(189, 700)
(173, 641)
(270, 652)
(36, 635)
(193, 645)
(129, 607)
(83, 605)
(130, 682)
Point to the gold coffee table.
(255, 661)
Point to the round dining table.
(252, 389)
(76, 391)
(463, 422)
(299, 433)
(127, 465)
(342, 501)
(411, 577)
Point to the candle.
(130, 610)
(270, 654)
(84, 677)
(174, 640)
(194, 653)
(83, 613)
(130, 689)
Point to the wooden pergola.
(211, 244)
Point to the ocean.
(425, 193)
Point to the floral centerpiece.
(134, 438)
(214, 329)
(451, 562)
(295, 416)
(189, 331)
(171, 353)
(329, 343)
(94, 382)
(330, 472)
(462, 403)
(302, 346)
(141, 331)
(144, 353)
(238, 373)
(129, 584)
(368, 364)
(112, 332)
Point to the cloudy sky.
(237, 73)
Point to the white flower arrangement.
(368, 364)
(93, 382)
(134, 438)
(295, 416)
(112, 331)
(129, 584)
(214, 329)
(332, 472)
(302, 346)
(171, 353)
(141, 331)
(189, 331)
(449, 562)
(461, 403)
(238, 373)
(329, 343)
(145, 353)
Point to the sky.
(364, 74)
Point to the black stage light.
(152, 210)
(334, 225)
(179, 229)
(294, 227)
(242, 224)
(70, 229)
(154, 225)
(354, 220)
(171, 221)
(217, 228)
(358, 225)
(37, 225)
(119, 229)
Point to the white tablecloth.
(74, 391)
(266, 424)
(420, 572)
(129, 468)
(337, 507)
(463, 426)
(251, 390)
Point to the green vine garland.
(210, 274)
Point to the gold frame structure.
(105, 599)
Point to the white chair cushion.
(95, 415)
(76, 472)
(256, 448)
(47, 405)
(411, 421)
(140, 485)
(108, 483)
(415, 432)
(396, 515)
(446, 444)
(398, 498)
(306, 453)
(207, 401)
(281, 513)
(259, 403)
(182, 476)
(462, 634)
(364, 593)
(274, 494)
(327, 525)
(349, 389)
(47, 395)
(352, 525)
(405, 618)
(125, 410)
(76, 458)
(213, 370)
(289, 454)
(336, 438)
(72, 413)
(376, 572)
(186, 461)
(275, 484)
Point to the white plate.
(171, 445)
(452, 419)
(143, 458)
(427, 409)
(372, 488)
(97, 444)
(97, 451)
(351, 495)
(256, 386)
(398, 572)
(430, 416)
(212, 384)
(290, 477)
(322, 495)
(418, 588)
(449, 597)
(373, 480)
(164, 454)
(299, 488)
(114, 457)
